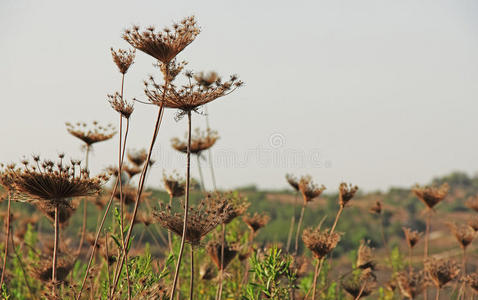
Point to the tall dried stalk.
(139, 193)
(6, 240)
(292, 224)
(318, 268)
(299, 224)
(55, 251)
(186, 208)
(427, 235)
(191, 283)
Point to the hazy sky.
(378, 93)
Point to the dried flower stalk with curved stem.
(294, 183)
(430, 196)
(320, 243)
(464, 235)
(412, 237)
(6, 181)
(441, 271)
(412, 283)
(346, 193)
(309, 191)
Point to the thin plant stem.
(464, 261)
(142, 177)
(107, 265)
(85, 207)
(170, 236)
(191, 284)
(299, 224)
(410, 250)
(292, 224)
(427, 235)
(186, 208)
(153, 236)
(318, 268)
(209, 152)
(6, 241)
(362, 288)
(55, 252)
(223, 241)
(201, 176)
(382, 233)
(341, 209)
(93, 248)
(437, 294)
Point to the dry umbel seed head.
(238, 203)
(208, 79)
(64, 212)
(472, 281)
(137, 157)
(365, 256)
(122, 106)
(359, 286)
(54, 183)
(431, 195)
(131, 170)
(473, 223)
(129, 194)
(43, 271)
(441, 271)
(174, 185)
(377, 208)
(256, 221)
(200, 141)
(472, 203)
(202, 219)
(464, 234)
(123, 59)
(309, 189)
(188, 97)
(320, 242)
(411, 236)
(91, 134)
(346, 193)
(213, 248)
(293, 181)
(412, 283)
(166, 44)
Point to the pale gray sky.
(379, 93)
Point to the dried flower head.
(6, 178)
(208, 79)
(473, 223)
(213, 248)
(309, 189)
(64, 212)
(346, 193)
(472, 281)
(206, 271)
(172, 70)
(412, 283)
(188, 97)
(129, 194)
(365, 256)
(320, 242)
(472, 203)
(441, 271)
(464, 234)
(238, 203)
(91, 135)
(256, 221)
(293, 181)
(411, 236)
(174, 185)
(431, 195)
(123, 59)
(54, 183)
(359, 286)
(202, 219)
(137, 157)
(166, 44)
(43, 271)
(131, 170)
(122, 106)
(377, 208)
(200, 141)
